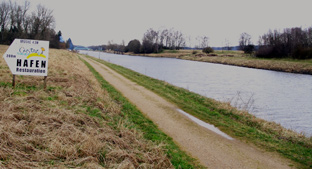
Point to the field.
(74, 123)
(238, 58)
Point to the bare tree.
(179, 40)
(18, 17)
(4, 17)
(227, 44)
(153, 40)
(169, 38)
(204, 41)
(162, 36)
(24, 18)
(244, 40)
(43, 22)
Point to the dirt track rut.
(211, 149)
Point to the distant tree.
(134, 46)
(111, 45)
(4, 18)
(245, 43)
(227, 45)
(292, 42)
(171, 39)
(151, 41)
(115, 47)
(147, 46)
(244, 40)
(55, 41)
(249, 49)
(42, 23)
(16, 22)
(208, 50)
(202, 42)
(179, 40)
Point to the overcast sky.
(95, 22)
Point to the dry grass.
(74, 123)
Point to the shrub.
(208, 50)
(134, 46)
(264, 52)
(270, 51)
(249, 49)
(302, 53)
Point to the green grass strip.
(239, 126)
(178, 158)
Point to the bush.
(134, 46)
(264, 52)
(270, 51)
(249, 49)
(302, 53)
(208, 50)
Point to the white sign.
(28, 57)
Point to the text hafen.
(31, 63)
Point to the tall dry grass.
(74, 123)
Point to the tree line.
(293, 43)
(17, 22)
(155, 41)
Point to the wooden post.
(13, 83)
(45, 82)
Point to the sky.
(95, 22)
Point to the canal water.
(284, 98)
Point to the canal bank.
(212, 150)
(238, 58)
(284, 98)
(238, 124)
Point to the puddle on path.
(206, 125)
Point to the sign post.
(28, 57)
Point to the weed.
(94, 112)
(5, 84)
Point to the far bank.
(238, 58)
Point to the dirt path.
(212, 150)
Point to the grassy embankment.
(238, 58)
(238, 124)
(76, 122)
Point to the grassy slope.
(75, 122)
(236, 123)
